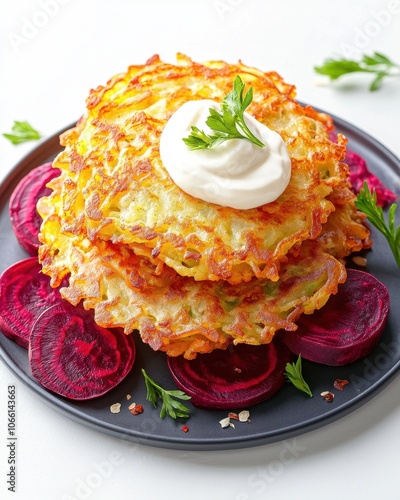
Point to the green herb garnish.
(227, 124)
(366, 202)
(170, 405)
(22, 132)
(293, 372)
(377, 64)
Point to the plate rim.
(39, 155)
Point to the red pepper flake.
(234, 416)
(185, 428)
(339, 384)
(328, 396)
(237, 370)
(135, 409)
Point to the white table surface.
(52, 52)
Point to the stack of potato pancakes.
(192, 276)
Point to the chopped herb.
(227, 124)
(367, 203)
(22, 132)
(294, 375)
(228, 303)
(377, 64)
(231, 304)
(271, 288)
(170, 405)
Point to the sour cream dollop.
(237, 173)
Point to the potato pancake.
(193, 276)
(182, 316)
(116, 188)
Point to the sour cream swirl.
(237, 173)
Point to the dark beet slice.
(348, 327)
(25, 292)
(239, 377)
(359, 173)
(72, 356)
(25, 220)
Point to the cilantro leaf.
(22, 132)
(377, 64)
(366, 202)
(293, 373)
(227, 124)
(171, 405)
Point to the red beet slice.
(72, 356)
(348, 327)
(239, 377)
(25, 292)
(359, 173)
(25, 220)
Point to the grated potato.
(191, 276)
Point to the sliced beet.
(359, 173)
(25, 220)
(238, 377)
(348, 327)
(25, 292)
(72, 356)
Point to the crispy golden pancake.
(116, 188)
(345, 231)
(189, 275)
(179, 315)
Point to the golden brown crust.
(177, 314)
(189, 275)
(126, 196)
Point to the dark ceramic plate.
(288, 413)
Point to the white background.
(49, 61)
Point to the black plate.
(287, 414)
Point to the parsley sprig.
(377, 64)
(366, 202)
(227, 124)
(170, 405)
(293, 372)
(22, 132)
